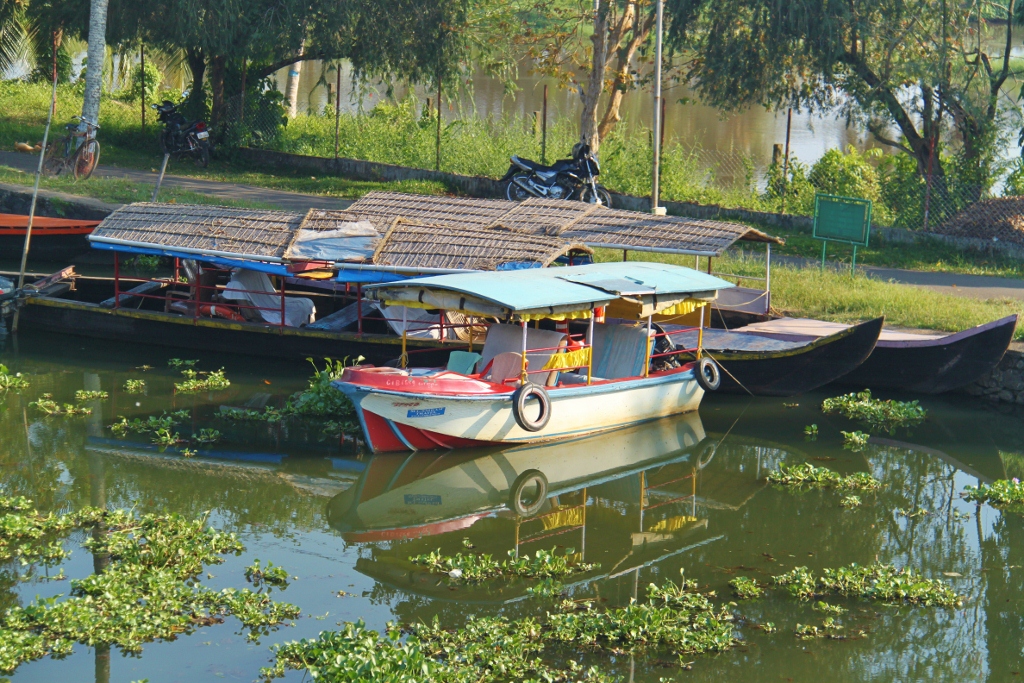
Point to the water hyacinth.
(1002, 493)
(807, 475)
(879, 582)
(746, 588)
(148, 591)
(474, 567)
(11, 381)
(212, 381)
(878, 414)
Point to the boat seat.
(504, 366)
(509, 338)
(619, 351)
(463, 362)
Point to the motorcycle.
(573, 179)
(182, 137)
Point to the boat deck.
(806, 327)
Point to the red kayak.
(52, 238)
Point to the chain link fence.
(405, 134)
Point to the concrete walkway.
(287, 201)
(972, 286)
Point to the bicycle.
(68, 155)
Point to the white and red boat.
(530, 384)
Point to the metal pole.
(160, 178)
(142, 83)
(656, 137)
(768, 279)
(241, 104)
(35, 195)
(524, 377)
(785, 162)
(437, 151)
(337, 115)
(544, 129)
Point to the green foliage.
(143, 263)
(855, 441)
(135, 386)
(321, 398)
(46, 405)
(150, 80)
(826, 608)
(878, 582)
(81, 396)
(11, 381)
(474, 567)
(149, 590)
(1004, 493)
(496, 649)
(850, 502)
(206, 436)
(150, 425)
(807, 475)
(828, 628)
(811, 431)
(746, 588)
(178, 363)
(271, 575)
(878, 414)
(211, 381)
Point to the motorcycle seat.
(557, 167)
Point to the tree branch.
(287, 61)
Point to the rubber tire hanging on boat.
(709, 377)
(515, 496)
(519, 398)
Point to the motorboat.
(530, 384)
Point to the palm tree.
(12, 33)
(96, 56)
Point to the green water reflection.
(686, 493)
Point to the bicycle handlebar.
(91, 124)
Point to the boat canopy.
(558, 292)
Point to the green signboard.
(842, 219)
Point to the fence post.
(785, 163)
(437, 151)
(337, 116)
(142, 81)
(544, 129)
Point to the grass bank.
(841, 297)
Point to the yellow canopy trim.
(563, 518)
(684, 307)
(570, 359)
(570, 315)
(672, 524)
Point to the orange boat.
(52, 238)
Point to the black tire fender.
(709, 377)
(519, 399)
(515, 495)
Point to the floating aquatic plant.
(808, 475)
(271, 575)
(880, 582)
(850, 502)
(206, 436)
(134, 386)
(499, 649)
(45, 404)
(1004, 493)
(149, 591)
(473, 567)
(178, 363)
(81, 396)
(878, 414)
(855, 441)
(194, 384)
(11, 381)
(827, 608)
(811, 431)
(828, 628)
(746, 588)
(150, 425)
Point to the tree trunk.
(641, 29)
(96, 54)
(197, 65)
(292, 89)
(591, 96)
(217, 64)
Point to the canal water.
(680, 494)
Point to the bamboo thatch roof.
(590, 224)
(420, 245)
(201, 229)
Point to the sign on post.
(842, 219)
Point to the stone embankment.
(1005, 384)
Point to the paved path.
(973, 286)
(288, 201)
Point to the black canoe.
(924, 363)
(766, 366)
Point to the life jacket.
(220, 311)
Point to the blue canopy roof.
(553, 289)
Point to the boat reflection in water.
(626, 499)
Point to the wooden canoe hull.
(795, 371)
(56, 239)
(65, 317)
(935, 366)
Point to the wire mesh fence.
(405, 133)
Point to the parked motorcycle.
(181, 137)
(573, 179)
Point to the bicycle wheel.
(87, 157)
(53, 161)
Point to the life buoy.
(708, 375)
(519, 399)
(221, 311)
(538, 494)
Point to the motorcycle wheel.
(202, 156)
(587, 196)
(514, 192)
(164, 146)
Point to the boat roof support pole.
(523, 374)
(768, 278)
(700, 332)
(647, 353)
(359, 307)
(117, 280)
(404, 360)
(590, 362)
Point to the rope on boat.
(726, 371)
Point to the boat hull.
(56, 239)
(67, 317)
(795, 370)
(409, 420)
